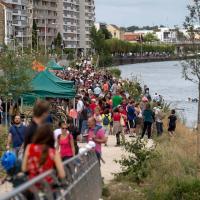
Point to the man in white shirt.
(79, 109)
(97, 90)
(159, 119)
(80, 105)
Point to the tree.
(58, 40)
(16, 74)
(34, 35)
(97, 40)
(180, 35)
(150, 37)
(106, 33)
(191, 67)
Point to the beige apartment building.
(115, 31)
(76, 17)
(72, 18)
(18, 23)
(44, 12)
(6, 31)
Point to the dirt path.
(110, 153)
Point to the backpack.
(106, 120)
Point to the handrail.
(82, 171)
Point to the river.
(166, 79)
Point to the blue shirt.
(131, 113)
(18, 134)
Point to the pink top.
(65, 146)
(99, 135)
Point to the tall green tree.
(34, 35)
(58, 40)
(106, 33)
(150, 37)
(191, 67)
(97, 40)
(15, 74)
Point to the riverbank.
(176, 163)
(166, 79)
(126, 60)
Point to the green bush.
(135, 165)
(115, 72)
(179, 190)
(133, 88)
(105, 60)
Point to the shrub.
(135, 165)
(115, 72)
(180, 189)
(105, 60)
(133, 88)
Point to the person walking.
(16, 135)
(106, 120)
(148, 116)
(96, 133)
(117, 127)
(97, 116)
(159, 116)
(75, 133)
(139, 119)
(66, 143)
(40, 114)
(131, 114)
(172, 123)
(41, 155)
(116, 100)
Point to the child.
(106, 120)
(97, 116)
(172, 122)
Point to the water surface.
(166, 79)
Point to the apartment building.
(87, 19)
(72, 18)
(76, 17)
(19, 20)
(44, 13)
(5, 23)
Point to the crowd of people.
(102, 108)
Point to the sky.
(141, 12)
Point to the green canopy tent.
(43, 86)
(54, 66)
(54, 78)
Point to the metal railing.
(83, 182)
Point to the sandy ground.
(110, 153)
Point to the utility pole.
(45, 36)
(22, 41)
(38, 41)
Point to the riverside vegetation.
(168, 171)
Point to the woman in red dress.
(41, 156)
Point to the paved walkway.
(110, 153)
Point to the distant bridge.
(83, 182)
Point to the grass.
(177, 162)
